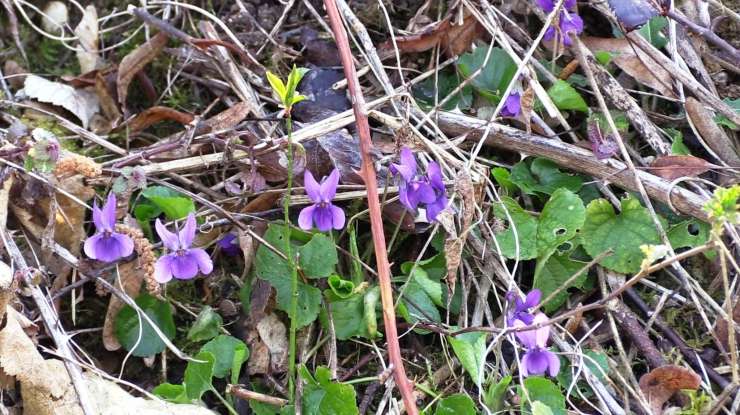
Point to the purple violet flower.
(512, 106)
(322, 212)
(413, 188)
(107, 245)
(548, 5)
(434, 175)
(183, 262)
(569, 24)
(521, 308)
(229, 245)
(537, 359)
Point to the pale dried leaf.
(673, 167)
(274, 335)
(636, 64)
(82, 103)
(87, 32)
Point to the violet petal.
(305, 218)
(313, 189)
(169, 239)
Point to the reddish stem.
(373, 202)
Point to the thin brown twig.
(376, 220)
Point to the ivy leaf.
(722, 120)
(272, 268)
(652, 31)
(127, 326)
(526, 230)
(688, 234)
(318, 257)
(430, 91)
(623, 233)
(557, 269)
(340, 287)
(543, 390)
(543, 176)
(457, 404)
(171, 393)
(565, 97)
(198, 376)
(497, 73)
(560, 220)
(348, 315)
(470, 349)
(207, 325)
(174, 205)
(229, 352)
(597, 363)
(323, 397)
(496, 393)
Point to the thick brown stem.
(376, 220)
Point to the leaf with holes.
(623, 233)
(688, 234)
(560, 220)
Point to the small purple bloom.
(413, 188)
(322, 212)
(439, 203)
(537, 359)
(548, 5)
(229, 245)
(107, 245)
(569, 24)
(183, 262)
(512, 105)
(521, 308)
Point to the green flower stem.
(291, 263)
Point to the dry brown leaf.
(105, 88)
(87, 33)
(661, 383)
(81, 103)
(722, 328)
(156, 114)
(136, 61)
(453, 38)
(715, 136)
(639, 66)
(673, 167)
(229, 118)
(132, 276)
(273, 334)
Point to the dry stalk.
(376, 219)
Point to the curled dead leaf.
(82, 103)
(673, 167)
(661, 383)
(153, 115)
(634, 62)
(131, 277)
(135, 62)
(453, 37)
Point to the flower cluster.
(107, 245)
(537, 359)
(415, 188)
(569, 22)
(183, 262)
(322, 213)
